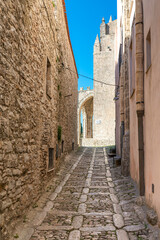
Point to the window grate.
(48, 79)
(148, 50)
(51, 158)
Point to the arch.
(85, 97)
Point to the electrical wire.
(108, 84)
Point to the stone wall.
(118, 61)
(34, 44)
(124, 31)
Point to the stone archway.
(85, 105)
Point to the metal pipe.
(140, 90)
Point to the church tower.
(104, 71)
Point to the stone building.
(122, 102)
(143, 53)
(97, 105)
(38, 102)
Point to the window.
(120, 58)
(148, 50)
(62, 146)
(72, 145)
(51, 158)
(48, 79)
(57, 151)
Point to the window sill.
(148, 68)
(50, 170)
(132, 93)
(48, 96)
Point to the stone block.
(117, 208)
(134, 228)
(16, 172)
(82, 208)
(39, 218)
(48, 206)
(118, 220)
(77, 222)
(114, 198)
(83, 198)
(74, 235)
(140, 201)
(122, 235)
(152, 217)
(85, 190)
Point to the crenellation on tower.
(107, 34)
(103, 30)
(97, 45)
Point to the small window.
(48, 79)
(148, 50)
(73, 146)
(62, 146)
(57, 150)
(51, 158)
(120, 58)
(130, 68)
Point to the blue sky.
(84, 19)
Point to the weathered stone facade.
(140, 92)
(102, 118)
(38, 102)
(123, 91)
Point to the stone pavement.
(92, 201)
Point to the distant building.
(97, 105)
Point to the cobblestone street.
(92, 201)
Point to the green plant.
(35, 205)
(53, 3)
(59, 133)
(24, 219)
(145, 225)
(16, 236)
(59, 70)
(60, 94)
(58, 87)
(57, 60)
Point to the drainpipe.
(122, 104)
(140, 90)
(125, 161)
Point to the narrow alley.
(91, 201)
(79, 120)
